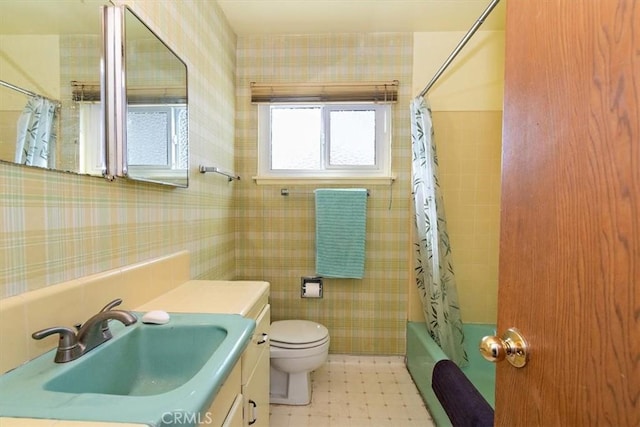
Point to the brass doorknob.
(511, 346)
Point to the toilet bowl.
(297, 347)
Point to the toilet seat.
(297, 334)
(290, 346)
(299, 353)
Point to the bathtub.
(423, 353)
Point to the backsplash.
(76, 300)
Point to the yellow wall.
(57, 226)
(467, 120)
(474, 81)
(31, 62)
(469, 149)
(276, 234)
(21, 64)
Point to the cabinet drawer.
(259, 343)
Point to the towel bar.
(286, 192)
(230, 175)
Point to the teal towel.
(341, 219)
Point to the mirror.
(52, 108)
(50, 71)
(157, 127)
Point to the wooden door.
(570, 230)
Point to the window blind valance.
(85, 91)
(379, 92)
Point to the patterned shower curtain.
(434, 270)
(36, 139)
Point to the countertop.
(210, 296)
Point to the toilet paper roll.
(312, 290)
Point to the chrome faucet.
(91, 334)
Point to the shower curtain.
(36, 138)
(434, 270)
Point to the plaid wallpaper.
(56, 227)
(276, 234)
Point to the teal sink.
(142, 374)
(147, 361)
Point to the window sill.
(278, 180)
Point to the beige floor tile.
(358, 391)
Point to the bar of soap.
(156, 317)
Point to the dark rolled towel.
(464, 405)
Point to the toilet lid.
(297, 332)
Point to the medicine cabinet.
(98, 90)
(147, 116)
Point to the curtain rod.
(17, 88)
(460, 45)
(26, 92)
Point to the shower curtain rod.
(460, 45)
(17, 89)
(26, 92)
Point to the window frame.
(382, 168)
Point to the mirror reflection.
(50, 54)
(51, 106)
(156, 112)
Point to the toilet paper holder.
(311, 287)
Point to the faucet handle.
(68, 348)
(116, 302)
(106, 332)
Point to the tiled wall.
(467, 120)
(469, 150)
(76, 300)
(276, 234)
(55, 227)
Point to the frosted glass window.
(182, 132)
(148, 137)
(352, 138)
(295, 138)
(157, 136)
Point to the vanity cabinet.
(255, 373)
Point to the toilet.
(297, 347)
